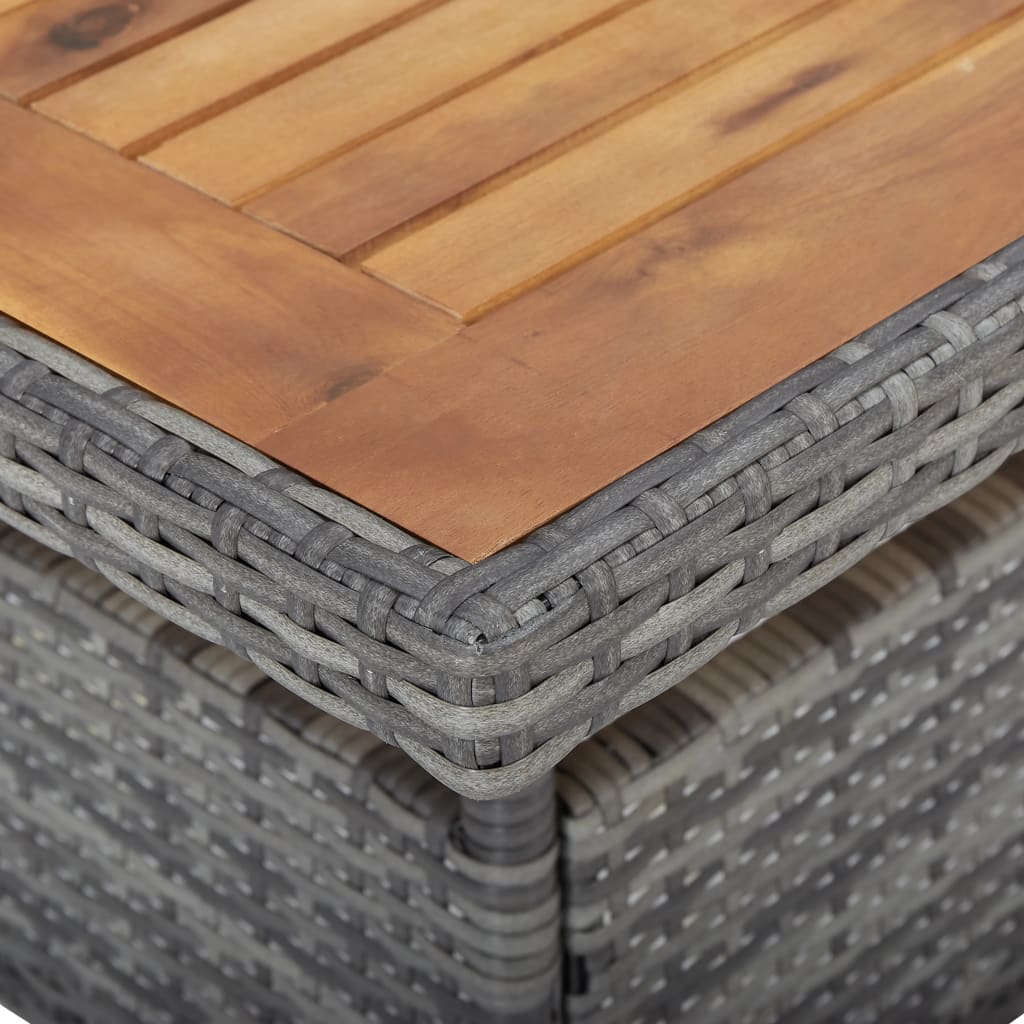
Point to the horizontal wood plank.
(49, 42)
(567, 209)
(574, 384)
(136, 102)
(230, 320)
(395, 177)
(361, 92)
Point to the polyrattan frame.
(182, 840)
(489, 674)
(821, 825)
(824, 824)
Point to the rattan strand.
(821, 825)
(824, 824)
(181, 839)
(489, 674)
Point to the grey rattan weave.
(488, 675)
(846, 843)
(822, 825)
(182, 840)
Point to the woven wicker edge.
(489, 674)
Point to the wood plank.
(338, 103)
(401, 174)
(193, 75)
(48, 43)
(209, 309)
(566, 389)
(565, 210)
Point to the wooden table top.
(467, 262)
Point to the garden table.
(512, 510)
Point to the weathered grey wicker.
(846, 842)
(822, 824)
(489, 674)
(183, 840)
(189, 840)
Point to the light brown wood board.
(517, 269)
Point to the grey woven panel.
(488, 675)
(182, 840)
(824, 825)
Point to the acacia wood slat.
(365, 89)
(214, 65)
(405, 172)
(562, 391)
(565, 210)
(48, 42)
(209, 309)
(727, 243)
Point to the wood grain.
(569, 208)
(201, 305)
(574, 384)
(214, 65)
(403, 173)
(47, 43)
(361, 92)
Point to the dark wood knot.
(87, 30)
